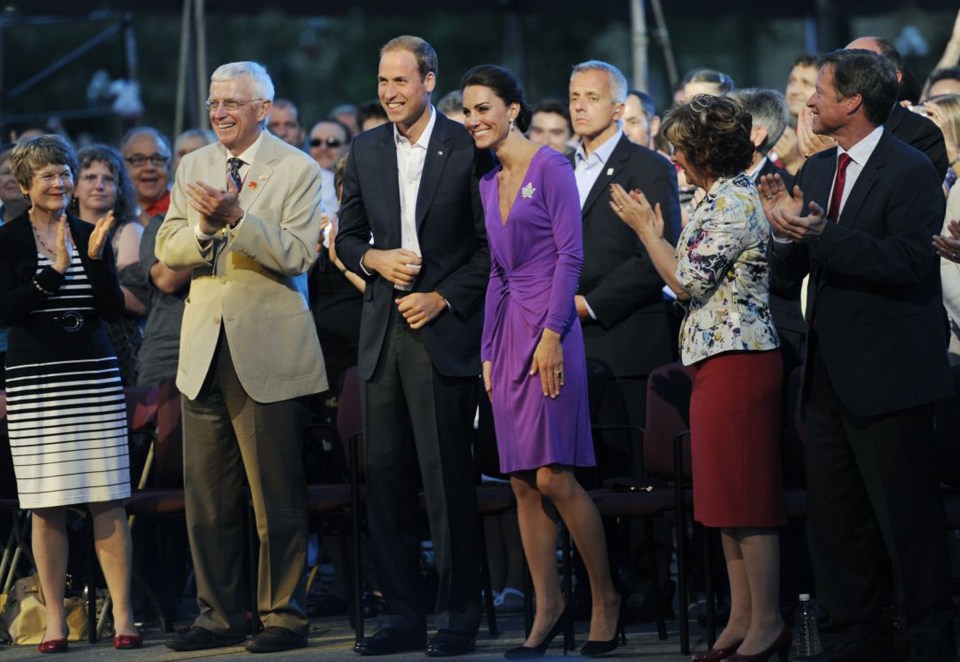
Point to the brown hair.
(713, 132)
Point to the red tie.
(833, 213)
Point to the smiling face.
(96, 190)
(592, 108)
(830, 110)
(148, 169)
(403, 93)
(800, 85)
(237, 128)
(486, 116)
(51, 188)
(327, 142)
(691, 172)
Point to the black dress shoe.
(274, 639)
(447, 643)
(387, 641)
(196, 638)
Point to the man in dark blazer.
(769, 111)
(620, 300)
(411, 186)
(875, 363)
(912, 128)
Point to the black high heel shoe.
(530, 653)
(594, 648)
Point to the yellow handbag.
(23, 614)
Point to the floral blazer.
(722, 265)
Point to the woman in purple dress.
(534, 368)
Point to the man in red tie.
(875, 363)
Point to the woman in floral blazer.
(719, 268)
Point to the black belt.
(70, 321)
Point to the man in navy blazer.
(875, 365)
(411, 224)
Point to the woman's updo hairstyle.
(714, 133)
(504, 84)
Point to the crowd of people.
(481, 244)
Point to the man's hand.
(582, 311)
(420, 308)
(218, 208)
(810, 142)
(397, 265)
(776, 200)
(783, 211)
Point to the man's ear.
(757, 135)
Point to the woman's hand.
(64, 246)
(950, 139)
(98, 238)
(548, 361)
(634, 210)
(948, 247)
(487, 385)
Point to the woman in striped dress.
(66, 407)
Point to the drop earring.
(511, 124)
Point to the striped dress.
(66, 407)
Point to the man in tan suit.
(245, 218)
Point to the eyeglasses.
(329, 142)
(139, 160)
(92, 179)
(228, 105)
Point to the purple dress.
(535, 262)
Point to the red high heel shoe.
(715, 654)
(780, 646)
(127, 641)
(54, 646)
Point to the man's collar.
(602, 152)
(250, 152)
(424, 138)
(863, 149)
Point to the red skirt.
(735, 440)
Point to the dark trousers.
(874, 515)
(416, 418)
(228, 436)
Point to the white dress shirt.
(588, 168)
(411, 158)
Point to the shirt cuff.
(363, 268)
(590, 312)
(201, 235)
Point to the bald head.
(881, 47)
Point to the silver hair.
(262, 84)
(768, 109)
(618, 82)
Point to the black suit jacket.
(784, 292)
(874, 293)
(920, 132)
(631, 334)
(450, 228)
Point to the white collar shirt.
(411, 158)
(588, 168)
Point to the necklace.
(43, 244)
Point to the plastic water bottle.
(806, 634)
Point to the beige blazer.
(253, 279)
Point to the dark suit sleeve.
(465, 287)
(635, 282)
(353, 233)
(913, 213)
